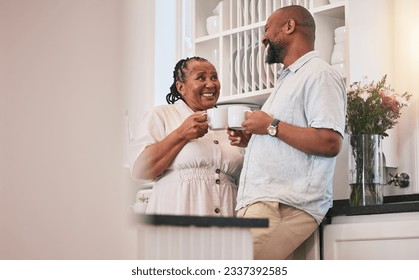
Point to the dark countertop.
(202, 221)
(391, 204)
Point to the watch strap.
(275, 122)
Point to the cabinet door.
(372, 240)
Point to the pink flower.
(390, 102)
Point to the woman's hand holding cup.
(194, 126)
(239, 138)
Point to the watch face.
(272, 130)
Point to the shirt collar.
(303, 60)
(183, 108)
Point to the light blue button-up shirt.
(309, 93)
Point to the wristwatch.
(273, 128)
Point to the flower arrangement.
(373, 108)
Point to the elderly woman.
(195, 169)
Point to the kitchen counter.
(392, 204)
(202, 221)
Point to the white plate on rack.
(254, 70)
(267, 71)
(243, 15)
(253, 18)
(246, 70)
(260, 66)
(239, 74)
(233, 72)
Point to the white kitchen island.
(164, 237)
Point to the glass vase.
(366, 170)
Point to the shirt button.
(217, 210)
(217, 181)
(216, 142)
(217, 171)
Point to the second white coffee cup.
(237, 115)
(217, 118)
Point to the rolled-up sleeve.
(149, 130)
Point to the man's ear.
(290, 26)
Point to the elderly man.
(293, 141)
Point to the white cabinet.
(368, 40)
(236, 49)
(374, 237)
(328, 17)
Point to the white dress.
(202, 179)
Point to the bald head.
(303, 19)
(289, 34)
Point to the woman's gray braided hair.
(179, 76)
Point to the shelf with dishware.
(233, 45)
(241, 69)
(229, 34)
(331, 35)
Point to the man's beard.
(276, 52)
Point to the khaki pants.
(288, 228)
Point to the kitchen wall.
(406, 60)
(67, 72)
(402, 148)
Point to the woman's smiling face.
(201, 87)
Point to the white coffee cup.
(217, 118)
(237, 115)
